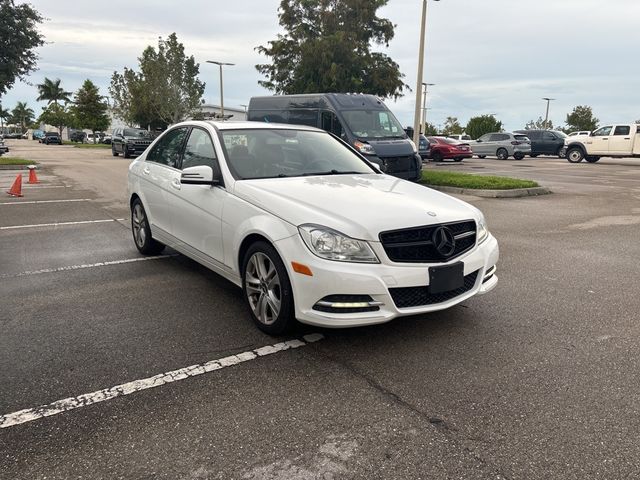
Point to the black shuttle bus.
(363, 121)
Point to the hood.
(396, 147)
(360, 206)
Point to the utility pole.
(220, 64)
(424, 105)
(546, 117)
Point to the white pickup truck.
(622, 140)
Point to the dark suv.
(129, 141)
(51, 137)
(545, 142)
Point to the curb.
(514, 193)
(16, 167)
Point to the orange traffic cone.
(33, 178)
(16, 188)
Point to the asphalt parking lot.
(537, 379)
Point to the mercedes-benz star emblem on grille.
(444, 241)
(431, 214)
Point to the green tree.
(430, 129)
(52, 92)
(482, 124)
(19, 38)
(452, 127)
(166, 90)
(22, 114)
(5, 114)
(58, 116)
(326, 47)
(89, 108)
(539, 124)
(581, 118)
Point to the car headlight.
(483, 231)
(364, 148)
(331, 245)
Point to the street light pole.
(416, 117)
(546, 117)
(220, 64)
(424, 105)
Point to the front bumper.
(374, 280)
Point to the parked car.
(129, 141)
(3, 147)
(106, 139)
(93, 138)
(617, 141)
(77, 136)
(363, 121)
(461, 138)
(306, 226)
(37, 135)
(580, 133)
(544, 142)
(502, 145)
(52, 137)
(445, 148)
(424, 148)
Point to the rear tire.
(267, 289)
(457, 159)
(142, 232)
(482, 156)
(592, 159)
(518, 156)
(534, 155)
(575, 155)
(502, 154)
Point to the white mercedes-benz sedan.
(306, 226)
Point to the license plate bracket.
(446, 278)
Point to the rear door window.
(622, 130)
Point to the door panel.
(599, 141)
(621, 142)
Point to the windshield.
(373, 124)
(560, 134)
(135, 132)
(273, 153)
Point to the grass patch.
(15, 161)
(478, 182)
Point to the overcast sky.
(489, 56)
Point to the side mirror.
(199, 175)
(479, 141)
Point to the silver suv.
(502, 145)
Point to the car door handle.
(605, 139)
(175, 183)
(146, 171)
(627, 138)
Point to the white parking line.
(87, 265)
(31, 202)
(60, 224)
(60, 406)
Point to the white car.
(306, 226)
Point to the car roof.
(245, 125)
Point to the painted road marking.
(61, 224)
(31, 202)
(26, 185)
(87, 265)
(60, 406)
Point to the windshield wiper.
(331, 172)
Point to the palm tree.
(23, 114)
(51, 91)
(4, 114)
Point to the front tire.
(436, 156)
(267, 289)
(482, 156)
(502, 154)
(142, 232)
(125, 154)
(575, 155)
(113, 151)
(518, 156)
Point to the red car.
(443, 148)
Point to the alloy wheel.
(139, 222)
(263, 288)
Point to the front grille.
(419, 296)
(415, 245)
(399, 164)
